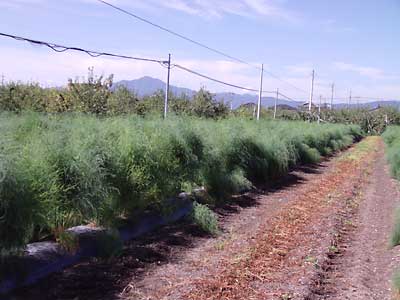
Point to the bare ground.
(364, 264)
(312, 235)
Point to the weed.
(396, 284)
(395, 236)
(58, 171)
(205, 218)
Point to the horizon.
(325, 43)
(354, 103)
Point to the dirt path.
(312, 235)
(364, 265)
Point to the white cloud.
(370, 72)
(53, 69)
(216, 8)
(40, 65)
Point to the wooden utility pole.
(349, 100)
(311, 91)
(167, 87)
(276, 102)
(332, 92)
(260, 94)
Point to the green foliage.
(204, 105)
(96, 95)
(395, 237)
(205, 218)
(371, 122)
(91, 96)
(122, 101)
(396, 284)
(62, 170)
(392, 140)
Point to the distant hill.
(146, 86)
(373, 104)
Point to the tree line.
(95, 95)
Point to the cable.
(197, 43)
(177, 34)
(60, 48)
(213, 79)
(284, 81)
(288, 98)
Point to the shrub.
(395, 237)
(204, 218)
(396, 284)
(65, 170)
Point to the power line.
(61, 48)
(217, 80)
(196, 42)
(284, 81)
(288, 98)
(177, 34)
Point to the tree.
(122, 101)
(91, 96)
(205, 105)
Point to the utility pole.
(319, 108)
(332, 92)
(167, 87)
(276, 102)
(312, 91)
(349, 100)
(320, 103)
(260, 94)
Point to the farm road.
(319, 233)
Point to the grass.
(205, 218)
(396, 284)
(392, 140)
(57, 171)
(395, 236)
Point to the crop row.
(61, 171)
(392, 140)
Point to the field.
(392, 139)
(60, 171)
(276, 198)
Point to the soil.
(321, 232)
(364, 264)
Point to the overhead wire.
(177, 34)
(60, 48)
(217, 80)
(170, 31)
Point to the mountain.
(146, 86)
(370, 105)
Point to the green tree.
(205, 105)
(91, 96)
(122, 101)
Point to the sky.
(354, 44)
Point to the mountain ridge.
(146, 86)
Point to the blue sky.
(354, 43)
